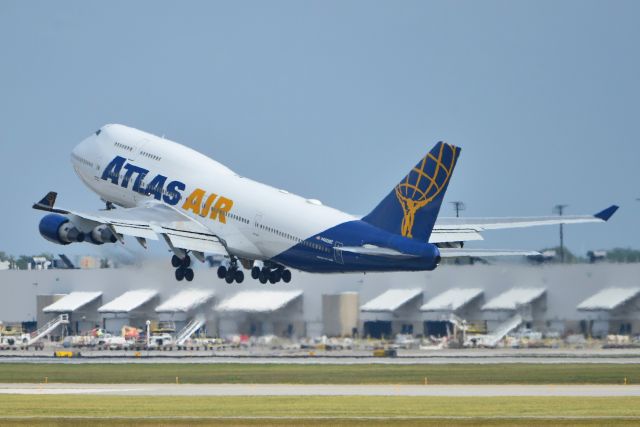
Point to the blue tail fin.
(412, 207)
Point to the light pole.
(458, 206)
(148, 323)
(559, 209)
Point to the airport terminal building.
(590, 299)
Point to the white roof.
(128, 301)
(511, 299)
(608, 299)
(391, 300)
(258, 301)
(72, 302)
(452, 300)
(185, 300)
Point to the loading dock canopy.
(258, 301)
(128, 301)
(452, 300)
(72, 302)
(609, 299)
(391, 300)
(513, 298)
(185, 301)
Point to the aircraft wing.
(467, 229)
(149, 221)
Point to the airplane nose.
(80, 149)
(81, 153)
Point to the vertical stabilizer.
(411, 208)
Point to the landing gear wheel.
(186, 261)
(188, 274)
(286, 276)
(273, 277)
(180, 273)
(239, 276)
(264, 276)
(222, 272)
(175, 261)
(255, 272)
(229, 277)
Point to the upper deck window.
(122, 146)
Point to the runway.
(323, 360)
(322, 390)
(355, 357)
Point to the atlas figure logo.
(424, 183)
(121, 173)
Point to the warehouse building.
(43, 301)
(181, 309)
(82, 309)
(132, 308)
(395, 311)
(456, 308)
(550, 299)
(526, 304)
(611, 311)
(257, 313)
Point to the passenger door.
(256, 224)
(337, 254)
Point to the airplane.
(156, 189)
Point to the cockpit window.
(98, 132)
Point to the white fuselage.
(261, 223)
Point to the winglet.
(607, 213)
(47, 202)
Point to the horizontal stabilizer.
(374, 251)
(456, 253)
(453, 234)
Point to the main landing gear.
(271, 275)
(269, 272)
(231, 273)
(182, 266)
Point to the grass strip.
(171, 422)
(151, 373)
(319, 407)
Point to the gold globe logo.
(424, 183)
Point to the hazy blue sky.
(336, 101)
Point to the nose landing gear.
(182, 266)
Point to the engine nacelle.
(102, 234)
(58, 229)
